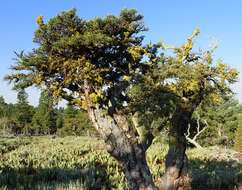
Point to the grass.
(8, 144)
(43, 163)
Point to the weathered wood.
(122, 145)
(193, 140)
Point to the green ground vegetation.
(47, 162)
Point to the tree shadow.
(215, 174)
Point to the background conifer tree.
(44, 119)
(23, 113)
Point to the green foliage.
(173, 87)
(3, 108)
(51, 162)
(3, 115)
(23, 113)
(44, 119)
(196, 76)
(222, 119)
(8, 144)
(153, 101)
(70, 115)
(94, 62)
(75, 122)
(75, 56)
(102, 65)
(238, 137)
(59, 118)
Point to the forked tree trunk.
(137, 171)
(176, 159)
(122, 145)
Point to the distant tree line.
(216, 124)
(46, 118)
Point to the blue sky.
(172, 21)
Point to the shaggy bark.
(122, 145)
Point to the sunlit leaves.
(104, 52)
(195, 75)
(39, 20)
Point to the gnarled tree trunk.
(176, 159)
(122, 145)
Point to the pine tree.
(85, 126)
(23, 113)
(44, 119)
(59, 118)
(3, 108)
(3, 115)
(71, 121)
(74, 121)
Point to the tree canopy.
(102, 66)
(76, 55)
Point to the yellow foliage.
(66, 63)
(39, 20)
(94, 97)
(215, 98)
(127, 78)
(136, 51)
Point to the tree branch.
(145, 136)
(193, 140)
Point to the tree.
(91, 63)
(95, 63)
(185, 80)
(3, 107)
(70, 118)
(45, 117)
(195, 79)
(75, 122)
(70, 121)
(3, 115)
(23, 112)
(7, 120)
(59, 117)
(85, 126)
